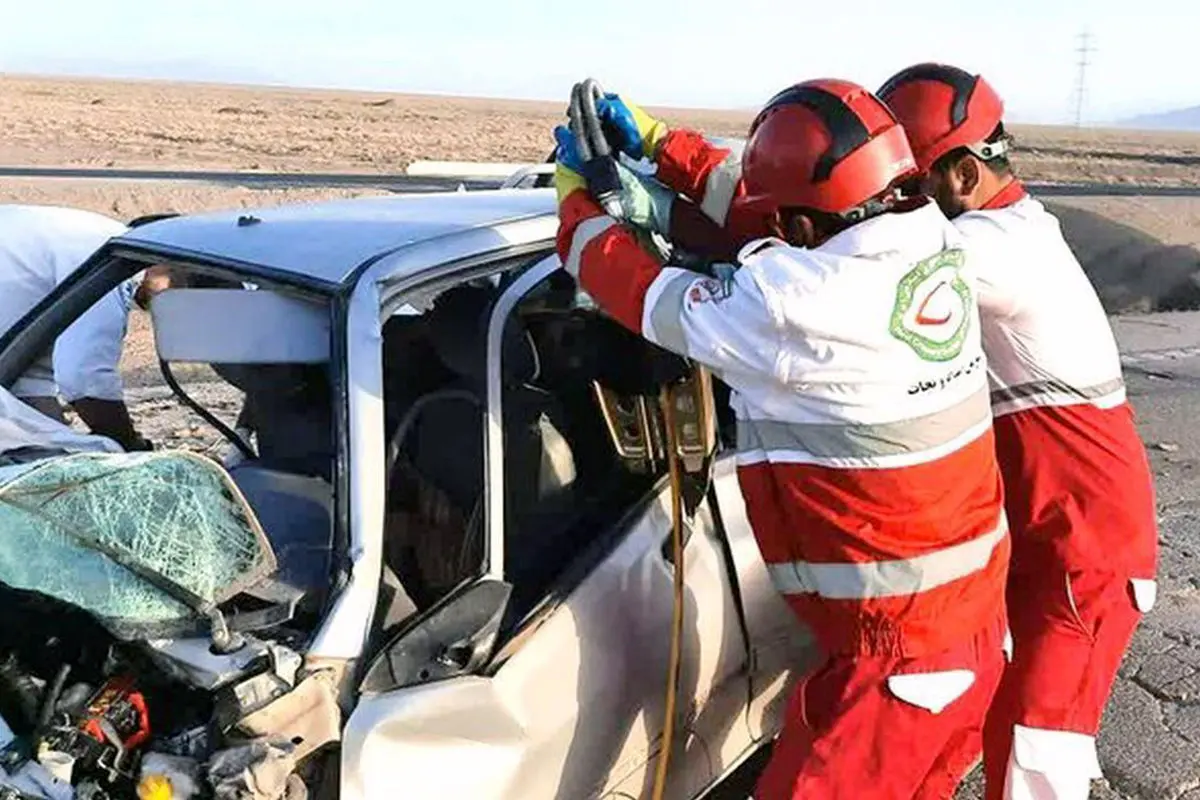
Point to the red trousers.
(879, 728)
(1070, 632)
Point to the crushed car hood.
(145, 542)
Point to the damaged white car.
(442, 566)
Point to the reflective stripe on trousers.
(869, 579)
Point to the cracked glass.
(146, 542)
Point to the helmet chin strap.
(802, 229)
(986, 151)
(872, 208)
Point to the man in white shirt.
(40, 246)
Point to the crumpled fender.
(416, 736)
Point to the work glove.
(568, 166)
(645, 203)
(637, 134)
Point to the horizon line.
(280, 86)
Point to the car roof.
(737, 145)
(326, 242)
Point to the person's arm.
(708, 176)
(87, 359)
(110, 418)
(729, 326)
(651, 205)
(697, 233)
(704, 173)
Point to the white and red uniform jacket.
(1078, 487)
(714, 224)
(1077, 482)
(865, 449)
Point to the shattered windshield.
(144, 541)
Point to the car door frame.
(601, 549)
(379, 287)
(711, 541)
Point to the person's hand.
(139, 444)
(646, 202)
(637, 134)
(568, 166)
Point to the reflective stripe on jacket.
(713, 223)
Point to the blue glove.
(567, 151)
(638, 134)
(568, 166)
(645, 202)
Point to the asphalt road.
(258, 180)
(410, 183)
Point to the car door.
(781, 648)
(570, 703)
(712, 727)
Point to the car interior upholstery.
(288, 405)
(564, 483)
(437, 447)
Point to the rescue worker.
(851, 342)
(39, 247)
(1078, 488)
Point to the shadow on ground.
(1131, 270)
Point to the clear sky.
(733, 53)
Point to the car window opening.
(566, 484)
(267, 372)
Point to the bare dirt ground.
(79, 122)
(130, 124)
(125, 199)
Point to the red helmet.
(944, 108)
(826, 144)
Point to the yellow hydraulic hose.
(660, 778)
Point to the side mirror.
(456, 638)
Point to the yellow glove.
(567, 180)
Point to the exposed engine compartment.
(87, 716)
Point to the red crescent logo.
(924, 320)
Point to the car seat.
(438, 451)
